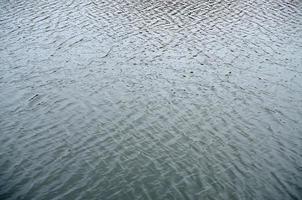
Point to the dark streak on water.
(151, 99)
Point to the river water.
(150, 99)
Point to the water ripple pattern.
(150, 99)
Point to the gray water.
(150, 99)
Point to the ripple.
(179, 99)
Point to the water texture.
(150, 99)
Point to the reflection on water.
(137, 99)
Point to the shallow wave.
(150, 99)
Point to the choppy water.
(150, 99)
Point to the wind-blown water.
(150, 99)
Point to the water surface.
(150, 99)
